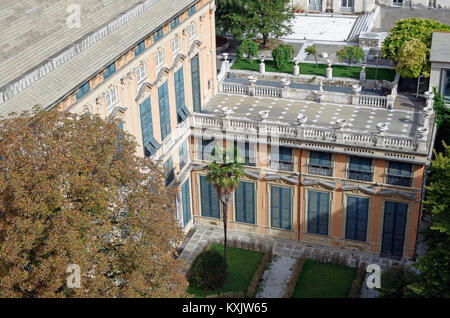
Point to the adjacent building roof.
(440, 48)
(34, 31)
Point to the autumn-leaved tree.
(73, 192)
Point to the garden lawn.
(321, 69)
(324, 280)
(242, 265)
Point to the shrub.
(208, 271)
(283, 54)
(351, 54)
(249, 48)
(395, 281)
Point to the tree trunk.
(315, 57)
(265, 37)
(225, 221)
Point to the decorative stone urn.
(262, 57)
(252, 79)
(285, 82)
(329, 62)
(422, 132)
(226, 111)
(302, 118)
(296, 67)
(356, 89)
(363, 66)
(428, 95)
(382, 127)
(225, 57)
(262, 66)
(428, 111)
(324, 55)
(263, 115)
(342, 123)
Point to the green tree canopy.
(312, 50)
(252, 17)
(224, 173)
(434, 266)
(247, 47)
(73, 192)
(412, 59)
(350, 54)
(411, 29)
(283, 54)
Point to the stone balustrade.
(266, 130)
(305, 94)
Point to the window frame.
(108, 96)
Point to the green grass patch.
(324, 280)
(319, 70)
(242, 265)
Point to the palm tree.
(225, 178)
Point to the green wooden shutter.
(240, 202)
(285, 210)
(249, 202)
(205, 197)
(186, 201)
(180, 95)
(164, 109)
(275, 206)
(195, 76)
(350, 225)
(357, 213)
(388, 227)
(313, 211)
(361, 225)
(324, 212)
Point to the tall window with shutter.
(164, 110)
(182, 111)
(195, 75)
(395, 214)
(318, 212)
(245, 202)
(186, 201)
(151, 146)
(280, 207)
(209, 200)
(356, 222)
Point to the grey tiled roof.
(440, 47)
(39, 34)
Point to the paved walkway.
(276, 278)
(204, 235)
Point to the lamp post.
(376, 69)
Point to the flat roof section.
(321, 28)
(440, 47)
(360, 118)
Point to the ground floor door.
(315, 5)
(394, 228)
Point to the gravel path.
(276, 277)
